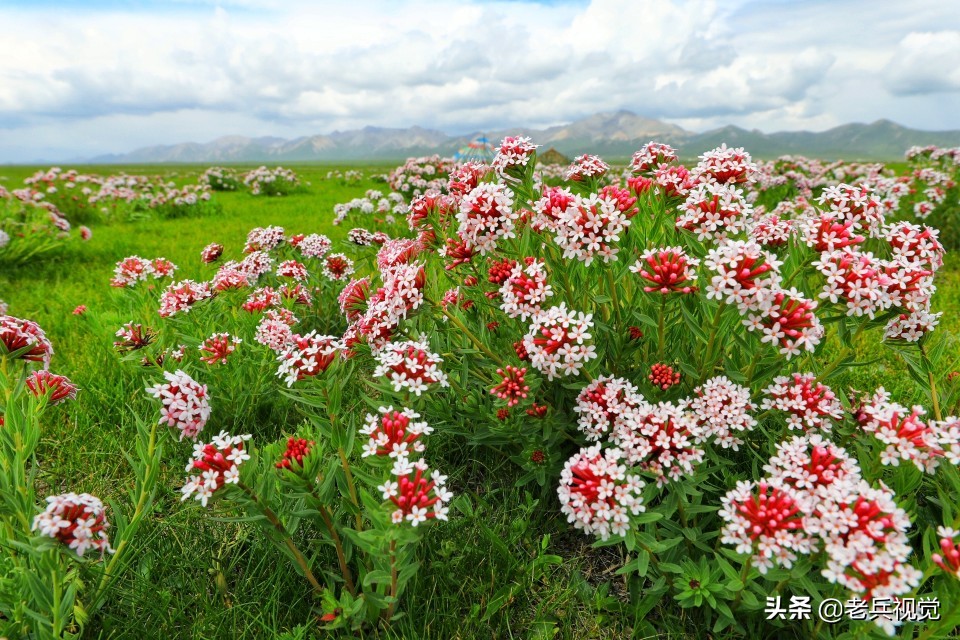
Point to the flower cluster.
(556, 341)
(394, 433)
(525, 290)
(180, 297)
(668, 270)
(218, 463)
(54, 387)
(78, 521)
(185, 403)
(307, 355)
(26, 339)
(217, 347)
(808, 404)
(410, 366)
(598, 494)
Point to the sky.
(79, 79)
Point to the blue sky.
(81, 79)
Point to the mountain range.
(614, 135)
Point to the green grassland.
(506, 566)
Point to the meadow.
(507, 563)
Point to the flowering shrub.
(60, 559)
(220, 179)
(271, 182)
(29, 228)
(660, 350)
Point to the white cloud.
(94, 81)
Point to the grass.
(506, 566)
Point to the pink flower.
(410, 366)
(292, 269)
(726, 166)
(78, 521)
(525, 290)
(217, 347)
(55, 387)
(512, 386)
(26, 338)
(185, 403)
(586, 166)
(598, 494)
(486, 216)
(416, 498)
(808, 403)
(337, 266)
(669, 269)
(714, 211)
(651, 156)
(179, 297)
(556, 341)
(720, 409)
(307, 355)
(211, 252)
(394, 433)
(218, 464)
(80, 310)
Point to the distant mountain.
(612, 135)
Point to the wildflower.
(456, 252)
(771, 230)
(743, 269)
(85, 233)
(635, 333)
(260, 299)
(915, 245)
(211, 252)
(817, 470)
(25, 338)
(603, 404)
(764, 519)
(264, 239)
(714, 211)
(162, 268)
(229, 277)
(298, 293)
(337, 266)
(660, 439)
(586, 166)
(55, 388)
(217, 347)
(669, 269)
(808, 403)
(297, 449)
(514, 154)
(486, 216)
(80, 310)
(512, 386)
(597, 494)
(292, 269)
(353, 298)
(78, 521)
(949, 560)
(314, 246)
(786, 319)
(726, 166)
(663, 376)
(721, 411)
(904, 432)
(556, 341)
(590, 227)
(307, 355)
(856, 204)
(129, 271)
(218, 464)
(548, 210)
(465, 178)
(525, 290)
(181, 296)
(651, 156)
(255, 265)
(416, 498)
(398, 251)
(910, 327)
(394, 433)
(537, 410)
(185, 403)
(133, 336)
(410, 366)
(674, 180)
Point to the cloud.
(924, 63)
(194, 70)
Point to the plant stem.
(613, 294)
(351, 486)
(337, 542)
(393, 581)
(476, 341)
(714, 327)
(660, 327)
(287, 538)
(933, 383)
(744, 573)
